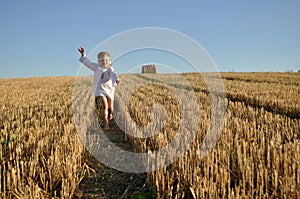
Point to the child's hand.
(82, 51)
(118, 82)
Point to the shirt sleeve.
(88, 63)
(113, 75)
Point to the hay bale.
(149, 69)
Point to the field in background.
(257, 155)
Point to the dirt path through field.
(105, 182)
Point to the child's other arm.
(114, 76)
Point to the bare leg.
(98, 104)
(105, 112)
(110, 109)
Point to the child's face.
(104, 61)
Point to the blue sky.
(40, 38)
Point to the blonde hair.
(103, 54)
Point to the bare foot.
(106, 126)
(110, 117)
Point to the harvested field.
(44, 155)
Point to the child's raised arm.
(82, 51)
(83, 59)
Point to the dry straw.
(257, 155)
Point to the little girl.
(105, 79)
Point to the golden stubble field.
(256, 156)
